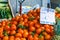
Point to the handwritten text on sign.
(47, 16)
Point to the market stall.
(31, 22)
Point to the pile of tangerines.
(57, 14)
(26, 27)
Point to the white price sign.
(47, 16)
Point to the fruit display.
(26, 27)
(57, 9)
(5, 11)
(57, 25)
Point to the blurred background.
(15, 4)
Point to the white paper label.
(47, 16)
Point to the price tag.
(47, 16)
